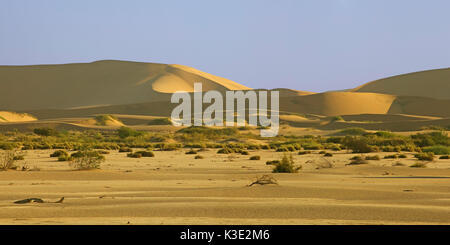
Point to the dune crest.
(433, 84)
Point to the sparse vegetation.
(7, 159)
(373, 158)
(419, 165)
(85, 160)
(328, 154)
(198, 157)
(160, 121)
(428, 156)
(286, 165)
(255, 158)
(192, 152)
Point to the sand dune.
(99, 83)
(433, 83)
(338, 103)
(7, 116)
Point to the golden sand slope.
(433, 83)
(99, 83)
(7, 116)
(338, 103)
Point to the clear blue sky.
(315, 45)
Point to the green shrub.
(419, 165)
(402, 156)
(375, 158)
(437, 149)
(87, 160)
(358, 144)
(125, 149)
(192, 151)
(146, 153)
(160, 121)
(286, 165)
(125, 132)
(395, 156)
(225, 151)
(45, 131)
(244, 153)
(255, 158)
(304, 152)
(59, 153)
(134, 155)
(428, 156)
(444, 157)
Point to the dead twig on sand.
(264, 180)
(37, 200)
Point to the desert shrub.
(134, 155)
(395, 156)
(198, 157)
(428, 156)
(45, 131)
(225, 151)
(402, 156)
(444, 157)
(273, 162)
(160, 121)
(192, 151)
(7, 159)
(431, 139)
(286, 165)
(87, 160)
(125, 149)
(390, 148)
(168, 147)
(375, 158)
(265, 147)
(282, 149)
(385, 134)
(358, 144)
(328, 154)
(437, 149)
(125, 132)
(356, 158)
(418, 165)
(304, 152)
(59, 153)
(255, 158)
(245, 152)
(146, 153)
(312, 146)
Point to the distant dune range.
(72, 94)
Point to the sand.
(433, 84)
(173, 188)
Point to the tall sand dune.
(99, 83)
(433, 83)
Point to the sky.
(316, 45)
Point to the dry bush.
(8, 158)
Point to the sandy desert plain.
(105, 109)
